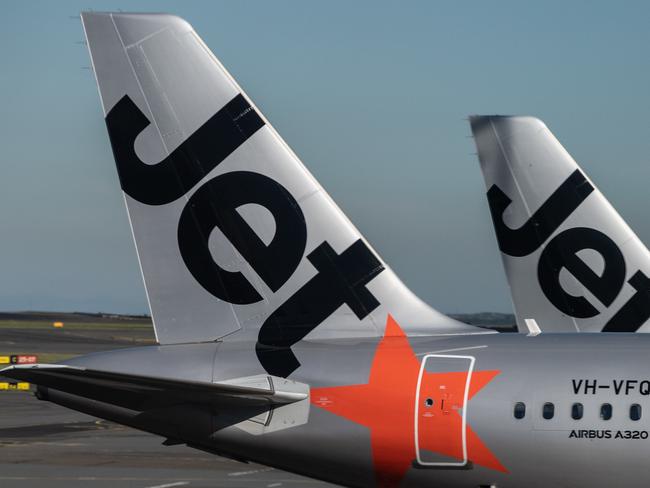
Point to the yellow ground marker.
(19, 359)
(5, 385)
(58, 325)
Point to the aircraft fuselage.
(390, 411)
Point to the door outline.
(470, 370)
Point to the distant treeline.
(500, 321)
(72, 317)
(503, 322)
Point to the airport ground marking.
(169, 485)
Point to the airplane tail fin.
(572, 262)
(233, 234)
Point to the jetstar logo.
(563, 250)
(386, 406)
(341, 278)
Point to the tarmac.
(45, 445)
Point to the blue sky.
(371, 95)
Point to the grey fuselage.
(562, 369)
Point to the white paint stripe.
(169, 485)
(252, 471)
(451, 350)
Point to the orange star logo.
(386, 406)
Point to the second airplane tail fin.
(572, 262)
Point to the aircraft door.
(440, 410)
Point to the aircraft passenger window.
(606, 411)
(520, 410)
(577, 411)
(548, 411)
(635, 412)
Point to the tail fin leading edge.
(572, 262)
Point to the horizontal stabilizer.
(144, 392)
